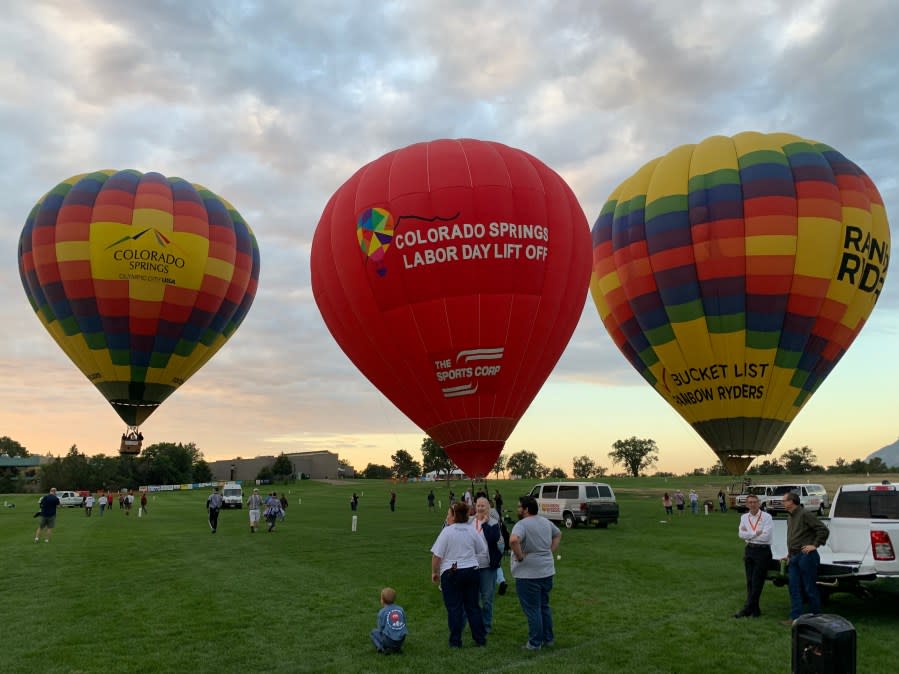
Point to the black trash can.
(823, 644)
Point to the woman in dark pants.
(454, 563)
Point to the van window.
(605, 492)
(549, 491)
(592, 491)
(804, 491)
(785, 489)
(535, 492)
(568, 491)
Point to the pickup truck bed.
(864, 538)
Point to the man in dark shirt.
(805, 534)
(49, 504)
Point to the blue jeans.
(460, 596)
(533, 595)
(803, 570)
(385, 644)
(487, 591)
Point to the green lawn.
(162, 594)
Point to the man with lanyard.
(213, 505)
(805, 534)
(756, 528)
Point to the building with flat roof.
(319, 465)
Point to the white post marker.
(299, 500)
(355, 520)
(706, 506)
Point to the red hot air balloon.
(452, 273)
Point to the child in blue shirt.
(389, 635)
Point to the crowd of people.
(272, 508)
(467, 557)
(466, 562)
(49, 503)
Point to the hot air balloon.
(140, 279)
(734, 274)
(452, 273)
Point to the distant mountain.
(889, 454)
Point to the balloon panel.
(139, 278)
(452, 273)
(735, 273)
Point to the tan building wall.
(318, 465)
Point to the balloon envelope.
(734, 274)
(452, 273)
(139, 278)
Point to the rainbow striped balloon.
(734, 274)
(139, 278)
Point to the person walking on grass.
(666, 503)
(679, 501)
(254, 507)
(272, 510)
(534, 540)
(143, 504)
(48, 504)
(756, 528)
(213, 506)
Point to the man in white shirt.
(756, 528)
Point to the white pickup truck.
(863, 542)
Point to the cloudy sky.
(274, 104)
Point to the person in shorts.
(254, 506)
(49, 503)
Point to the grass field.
(161, 594)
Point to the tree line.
(634, 453)
(161, 463)
(635, 456)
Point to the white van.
(232, 495)
(763, 491)
(811, 496)
(574, 503)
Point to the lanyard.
(757, 520)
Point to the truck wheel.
(820, 511)
(568, 519)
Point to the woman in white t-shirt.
(454, 563)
